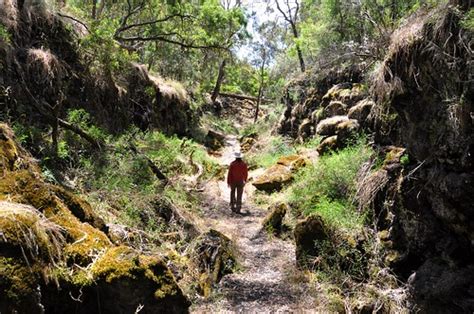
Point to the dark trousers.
(236, 192)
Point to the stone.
(346, 132)
(307, 232)
(327, 145)
(294, 162)
(306, 129)
(345, 92)
(274, 220)
(328, 127)
(335, 108)
(213, 255)
(274, 178)
(361, 110)
(214, 140)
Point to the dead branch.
(154, 168)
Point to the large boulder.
(280, 174)
(328, 127)
(213, 255)
(274, 178)
(53, 246)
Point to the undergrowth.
(328, 187)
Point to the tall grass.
(328, 187)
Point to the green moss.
(17, 279)
(123, 262)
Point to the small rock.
(273, 221)
(327, 145)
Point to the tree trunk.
(94, 9)
(220, 78)
(298, 49)
(259, 99)
(54, 137)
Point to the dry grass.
(8, 13)
(368, 185)
(28, 228)
(43, 63)
(170, 89)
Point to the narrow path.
(267, 280)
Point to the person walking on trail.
(236, 179)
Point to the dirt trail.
(266, 279)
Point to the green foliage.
(328, 187)
(468, 20)
(405, 159)
(268, 156)
(5, 34)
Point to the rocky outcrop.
(332, 92)
(427, 204)
(55, 254)
(280, 174)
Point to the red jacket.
(237, 172)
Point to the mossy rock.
(335, 108)
(328, 127)
(213, 255)
(274, 178)
(361, 110)
(327, 145)
(274, 220)
(294, 162)
(307, 232)
(214, 140)
(52, 246)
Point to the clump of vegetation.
(277, 146)
(328, 187)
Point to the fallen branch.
(154, 168)
(80, 132)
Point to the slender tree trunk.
(220, 78)
(54, 137)
(260, 88)
(94, 9)
(298, 49)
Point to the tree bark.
(220, 78)
(291, 19)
